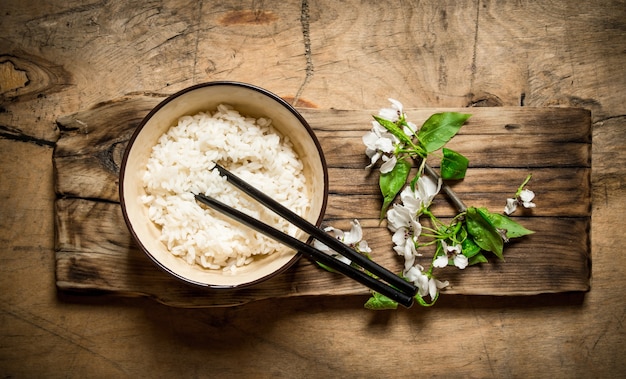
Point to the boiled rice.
(182, 163)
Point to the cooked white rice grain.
(182, 164)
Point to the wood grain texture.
(330, 55)
(96, 252)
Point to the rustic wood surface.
(96, 252)
(58, 58)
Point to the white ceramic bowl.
(249, 101)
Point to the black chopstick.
(296, 244)
(320, 235)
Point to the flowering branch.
(464, 241)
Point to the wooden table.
(60, 58)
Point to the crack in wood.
(197, 42)
(474, 49)
(13, 134)
(99, 200)
(306, 36)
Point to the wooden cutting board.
(95, 252)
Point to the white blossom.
(406, 230)
(392, 114)
(408, 251)
(526, 197)
(426, 285)
(511, 206)
(352, 238)
(426, 189)
(451, 252)
(378, 143)
(323, 248)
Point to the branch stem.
(456, 200)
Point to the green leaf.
(453, 165)
(392, 182)
(423, 302)
(394, 129)
(380, 302)
(439, 129)
(512, 228)
(327, 268)
(469, 247)
(483, 232)
(476, 259)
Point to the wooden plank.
(562, 191)
(571, 124)
(96, 252)
(88, 156)
(491, 150)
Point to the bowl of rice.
(171, 156)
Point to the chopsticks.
(383, 281)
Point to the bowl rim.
(147, 118)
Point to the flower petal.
(410, 129)
(432, 288)
(320, 246)
(427, 189)
(354, 235)
(511, 206)
(384, 144)
(337, 233)
(526, 195)
(409, 255)
(392, 114)
(398, 217)
(441, 261)
(343, 259)
(388, 165)
(389, 114)
(396, 104)
(441, 284)
(460, 261)
(399, 237)
(363, 247)
(422, 284)
(410, 200)
(412, 274)
(370, 139)
(417, 228)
